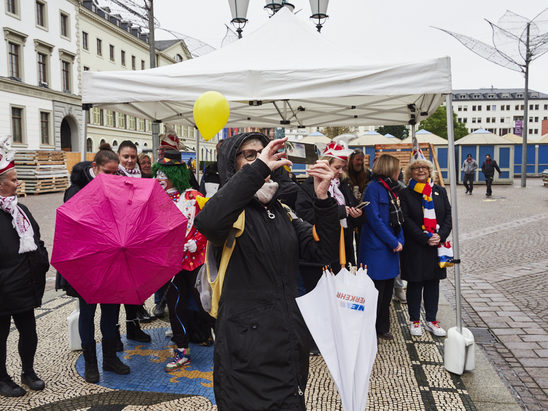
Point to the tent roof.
(273, 77)
(481, 136)
(316, 133)
(315, 139)
(513, 138)
(543, 139)
(372, 138)
(425, 136)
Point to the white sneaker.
(416, 328)
(399, 294)
(434, 328)
(169, 333)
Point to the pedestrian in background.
(427, 222)
(382, 236)
(488, 169)
(145, 164)
(469, 168)
(23, 266)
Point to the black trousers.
(28, 340)
(385, 288)
(86, 321)
(469, 182)
(427, 290)
(488, 182)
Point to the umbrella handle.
(131, 192)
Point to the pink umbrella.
(118, 240)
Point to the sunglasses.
(249, 154)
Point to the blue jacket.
(378, 240)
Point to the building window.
(178, 58)
(101, 117)
(502, 119)
(464, 120)
(66, 73)
(473, 108)
(86, 68)
(12, 7)
(85, 40)
(89, 145)
(41, 14)
(133, 64)
(17, 124)
(65, 25)
(142, 64)
(110, 118)
(122, 120)
(44, 128)
(111, 50)
(42, 69)
(99, 47)
(131, 123)
(14, 60)
(546, 107)
(141, 124)
(479, 108)
(123, 57)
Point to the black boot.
(135, 333)
(91, 373)
(111, 362)
(119, 343)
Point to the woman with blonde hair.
(382, 236)
(427, 214)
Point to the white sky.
(396, 30)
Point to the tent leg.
(197, 138)
(83, 140)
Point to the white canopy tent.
(286, 74)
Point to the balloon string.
(177, 304)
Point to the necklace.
(174, 195)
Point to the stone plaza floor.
(504, 250)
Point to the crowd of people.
(262, 344)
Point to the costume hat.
(170, 141)
(6, 155)
(336, 150)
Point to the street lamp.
(275, 5)
(238, 9)
(319, 12)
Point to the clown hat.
(336, 150)
(6, 155)
(172, 158)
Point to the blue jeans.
(86, 325)
(416, 291)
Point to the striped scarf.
(429, 222)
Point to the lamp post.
(319, 12)
(238, 9)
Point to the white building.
(497, 110)
(39, 89)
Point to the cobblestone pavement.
(504, 253)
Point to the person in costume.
(23, 266)
(427, 223)
(173, 175)
(382, 236)
(105, 162)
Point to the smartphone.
(301, 153)
(362, 204)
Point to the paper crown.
(417, 155)
(336, 150)
(6, 155)
(170, 141)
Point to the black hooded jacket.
(261, 347)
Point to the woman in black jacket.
(427, 223)
(23, 266)
(261, 347)
(106, 161)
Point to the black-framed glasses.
(419, 168)
(249, 154)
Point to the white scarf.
(338, 196)
(20, 222)
(135, 172)
(265, 194)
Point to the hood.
(226, 158)
(80, 175)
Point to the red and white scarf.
(20, 222)
(134, 172)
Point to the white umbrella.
(340, 314)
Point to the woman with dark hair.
(23, 266)
(382, 236)
(261, 347)
(129, 167)
(105, 161)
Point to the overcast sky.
(386, 29)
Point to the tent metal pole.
(197, 138)
(83, 140)
(454, 213)
(155, 129)
(414, 135)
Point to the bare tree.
(517, 41)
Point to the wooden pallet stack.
(42, 171)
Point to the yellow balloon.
(211, 112)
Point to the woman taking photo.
(427, 214)
(261, 347)
(382, 236)
(23, 267)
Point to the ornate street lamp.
(275, 5)
(238, 8)
(319, 12)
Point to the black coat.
(418, 260)
(304, 208)
(261, 346)
(488, 168)
(22, 276)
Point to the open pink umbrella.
(118, 240)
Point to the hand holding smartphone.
(362, 204)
